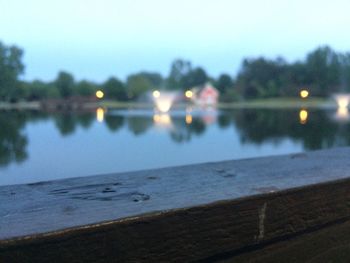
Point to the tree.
(182, 76)
(11, 67)
(193, 78)
(137, 85)
(261, 77)
(115, 89)
(294, 79)
(65, 84)
(38, 90)
(154, 78)
(323, 71)
(179, 69)
(85, 88)
(344, 60)
(224, 83)
(225, 86)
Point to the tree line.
(323, 71)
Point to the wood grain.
(205, 212)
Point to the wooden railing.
(286, 209)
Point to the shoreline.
(280, 103)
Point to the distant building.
(205, 95)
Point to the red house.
(208, 95)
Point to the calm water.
(37, 146)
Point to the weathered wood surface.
(202, 212)
(329, 244)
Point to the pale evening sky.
(94, 39)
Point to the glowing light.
(189, 94)
(303, 115)
(342, 113)
(304, 94)
(99, 94)
(162, 119)
(100, 114)
(343, 102)
(156, 118)
(163, 105)
(189, 118)
(164, 101)
(156, 94)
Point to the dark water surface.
(37, 146)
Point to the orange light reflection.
(303, 116)
(100, 114)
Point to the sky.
(96, 39)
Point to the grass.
(23, 105)
(259, 103)
(281, 103)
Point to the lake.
(40, 146)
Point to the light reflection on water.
(303, 115)
(342, 114)
(36, 146)
(100, 114)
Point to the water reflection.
(303, 115)
(114, 122)
(13, 141)
(138, 125)
(65, 123)
(342, 114)
(162, 120)
(343, 101)
(320, 128)
(100, 114)
(189, 118)
(272, 126)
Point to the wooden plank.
(330, 244)
(197, 212)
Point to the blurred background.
(92, 87)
